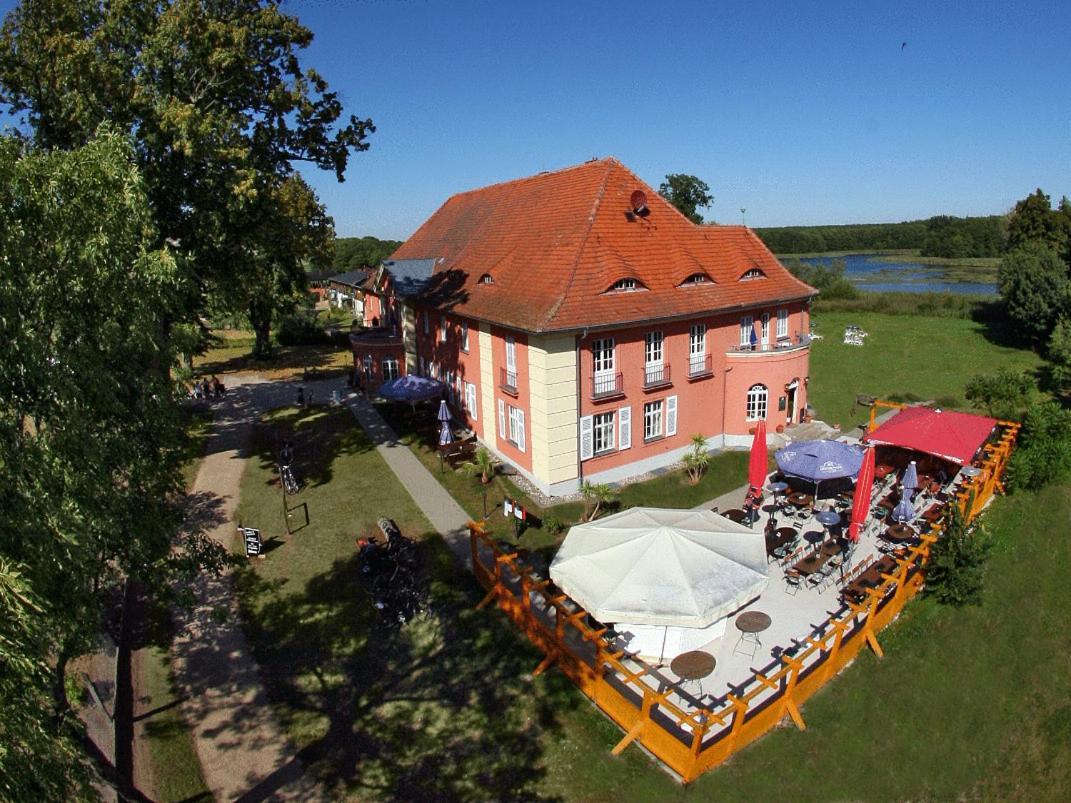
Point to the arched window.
(696, 278)
(754, 273)
(756, 403)
(487, 278)
(625, 286)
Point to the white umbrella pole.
(662, 654)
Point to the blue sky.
(801, 113)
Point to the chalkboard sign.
(253, 544)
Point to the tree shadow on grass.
(440, 708)
(319, 436)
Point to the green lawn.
(967, 704)
(727, 471)
(176, 771)
(904, 357)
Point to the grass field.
(907, 357)
(175, 770)
(967, 704)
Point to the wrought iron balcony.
(655, 376)
(700, 365)
(605, 386)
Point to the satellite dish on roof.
(638, 202)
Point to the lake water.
(870, 272)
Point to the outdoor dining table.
(750, 624)
(800, 499)
(778, 538)
(736, 515)
(693, 665)
(812, 563)
(882, 471)
(832, 549)
(777, 489)
(900, 532)
(933, 514)
(871, 577)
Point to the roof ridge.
(610, 162)
(535, 176)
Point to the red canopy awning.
(942, 433)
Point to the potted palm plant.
(481, 465)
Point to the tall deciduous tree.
(89, 439)
(212, 93)
(1035, 221)
(1034, 284)
(687, 193)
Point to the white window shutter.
(587, 438)
(624, 417)
(501, 418)
(520, 430)
(671, 415)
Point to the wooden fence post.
(790, 687)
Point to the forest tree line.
(940, 236)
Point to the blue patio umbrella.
(816, 461)
(445, 435)
(903, 510)
(411, 389)
(910, 481)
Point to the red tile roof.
(554, 243)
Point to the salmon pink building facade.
(587, 330)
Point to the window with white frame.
(516, 427)
(470, 401)
(782, 324)
(390, 369)
(756, 402)
(697, 348)
(603, 432)
(652, 420)
(465, 336)
(442, 329)
(764, 338)
(747, 329)
(653, 350)
(602, 355)
(511, 361)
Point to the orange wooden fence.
(693, 741)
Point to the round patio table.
(800, 499)
(827, 517)
(777, 489)
(694, 665)
(900, 532)
(736, 515)
(750, 624)
(970, 471)
(813, 537)
(786, 532)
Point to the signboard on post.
(507, 507)
(253, 543)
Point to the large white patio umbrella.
(667, 577)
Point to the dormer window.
(625, 286)
(487, 278)
(754, 273)
(696, 278)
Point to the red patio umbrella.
(756, 472)
(861, 501)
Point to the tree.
(956, 571)
(1059, 354)
(595, 495)
(213, 96)
(1035, 221)
(1043, 453)
(352, 253)
(697, 460)
(89, 436)
(1005, 395)
(687, 193)
(1035, 287)
(283, 230)
(482, 465)
(40, 756)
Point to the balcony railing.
(700, 365)
(508, 381)
(779, 347)
(655, 376)
(605, 386)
